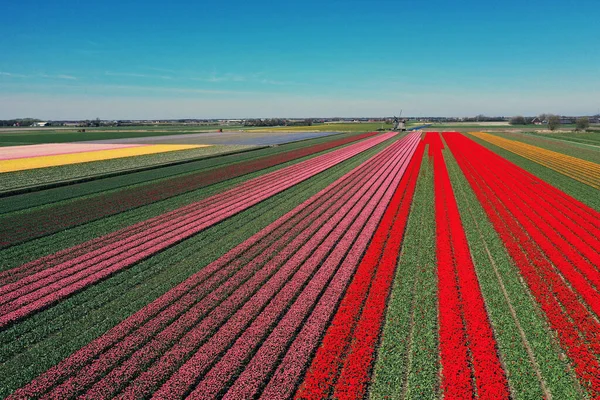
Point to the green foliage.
(582, 123)
(553, 122)
(407, 362)
(518, 120)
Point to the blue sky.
(151, 59)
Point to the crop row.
(50, 279)
(584, 171)
(530, 354)
(333, 246)
(30, 347)
(60, 190)
(204, 316)
(21, 164)
(553, 239)
(45, 221)
(407, 364)
(343, 361)
(33, 180)
(469, 360)
(39, 150)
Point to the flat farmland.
(312, 262)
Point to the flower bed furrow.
(144, 228)
(587, 324)
(19, 313)
(561, 306)
(164, 340)
(122, 249)
(470, 326)
(333, 350)
(354, 376)
(258, 368)
(297, 255)
(581, 272)
(78, 359)
(407, 364)
(530, 354)
(74, 363)
(40, 223)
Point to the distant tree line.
(18, 122)
(553, 121)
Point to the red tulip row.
(44, 222)
(326, 262)
(469, 358)
(531, 219)
(343, 360)
(189, 327)
(52, 278)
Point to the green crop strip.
(525, 342)
(592, 138)
(124, 166)
(30, 179)
(34, 345)
(20, 254)
(407, 361)
(582, 192)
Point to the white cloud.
(137, 75)
(47, 76)
(62, 76)
(12, 75)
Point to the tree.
(518, 120)
(553, 122)
(543, 117)
(582, 123)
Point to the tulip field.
(376, 265)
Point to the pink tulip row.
(145, 324)
(88, 247)
(344, 357)
(221, 288)
(66, 215)
(311, 312)
(53, 149)
(43, 288)
(297, 269)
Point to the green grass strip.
(582, 192)
(592, 138)
(407, 360)
(531, 356)
(34, 345)
(50, 135)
